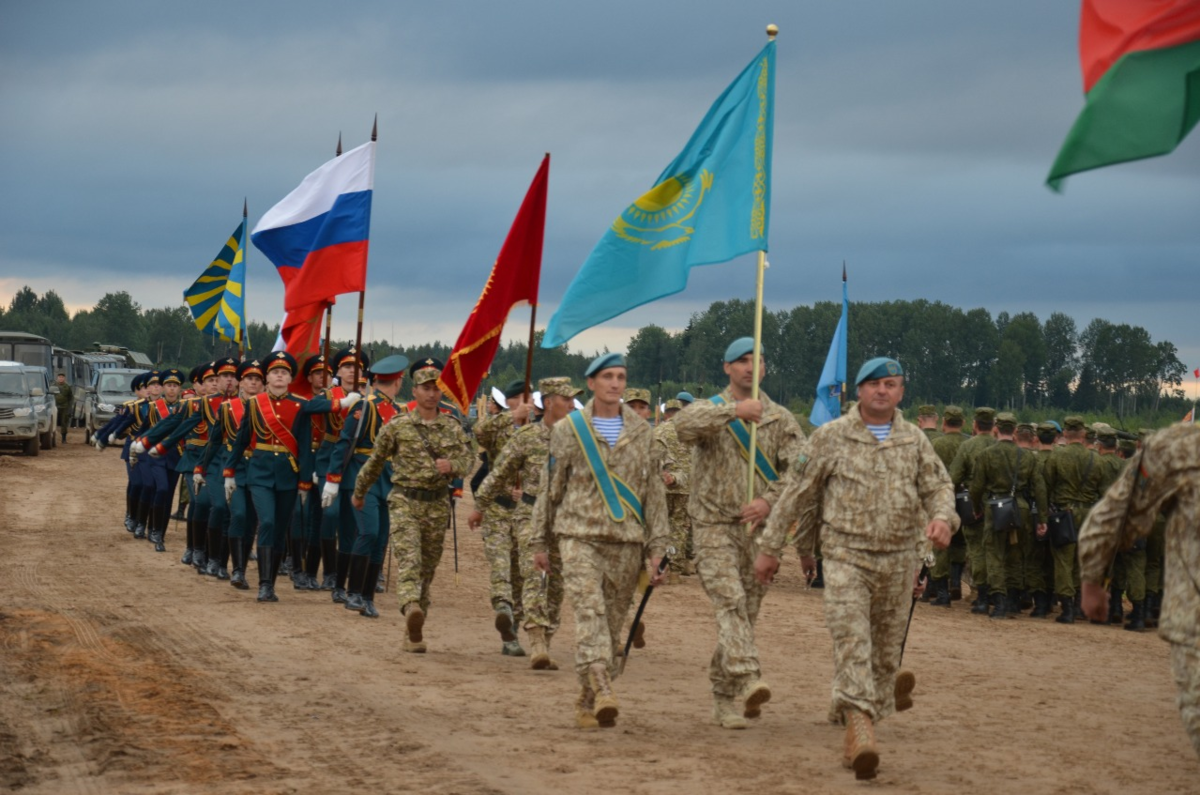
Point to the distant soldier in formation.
(427, 449)
(962, 470)
(946, 574)
(65, 401)
(869, 482)
(727, 522)
(927, 421)
(339, 528)
(605, 502)
(1073, 486)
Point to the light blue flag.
(710, 205)
(216, 300)
(828, 406)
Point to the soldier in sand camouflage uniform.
(497, 520)
(946, 573)
(517, 476)
(869, 483)
(427, 449)
(1165, 475)
(677, 475)
(962, 469)
(725, 551)
(1005, 470)
(602, 544)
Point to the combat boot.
(356, 584)
(906, 682)
(584, 706)
(1153, 607)
(1015, 603)
(753, 696)
(414, 622)
(505, 623)
(956, 570)
(726, 714)
(1137, 617)
(539, 649)
(999, 606)
(1067, 616)
(860, 753)
(368, 596)
(605, 706)
(1116, 608)
(942, 588)
(819, 579)
(1041, 605)
(980, 605)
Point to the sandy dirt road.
(122, 671)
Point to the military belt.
(505, 502)
(197, 443)
(424, 495)
(331, 438)
(272, 448)
(528, 499)
(364, 450)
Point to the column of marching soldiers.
(310, 480)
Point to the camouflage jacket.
(673, 456)
(995, 469)
(862, 495)
(946, 446)
(411, 445)
(719, 472)
(524, 456)
(493, 433)
(1111, 465)
(962, 467)
(1164, 475)
(571, 505)
(1073, 476)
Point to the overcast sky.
(912, 141)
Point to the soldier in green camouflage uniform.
(946, 573)
(1129, 566)
(927, 421)
(720, 511)
(427, 449)
(1072, 484)
(870, 482)
(677, 473)
(1164, 475)
(1005, 470)
(517, 476)
(499, 521)
(65, 401)
(962, 469)
(602, 543)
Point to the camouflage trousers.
(1156, 544)
(418, 536)
(1185, 665)
(1065, 561)
(502, 551)
(973, 534)
(867, 598)
(599, 577)
(725, 562)
(1004, 553)
(943, 558)
(541, 598)
(681, 529)
(1129, 573)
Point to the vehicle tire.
(48, 439)
(87, 436)
(32, 446)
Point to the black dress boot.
(238, 578)
(942, 587)
(189, 543)
(162, 516)
(1116, 608)
(140, 517)
(1067, 616)
(312, 565)
(956, 570)
(1137, 617)
(343, 570)
(329, 556)
(266, 574)
(1041, 605)
(357, 584)
(368, 596)
(980, 605)
(203, 545)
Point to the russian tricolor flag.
(317, 236)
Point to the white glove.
(112, 438)
(137, 448)
(328, 494)
(316, 479)
(230, 488)
(154, 452)
(350, 399)
(303, 497)
(197, 481)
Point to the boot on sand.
(605, 706)
(860, 753)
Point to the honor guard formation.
(597, 505)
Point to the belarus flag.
(317, 236)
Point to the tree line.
(950, 355)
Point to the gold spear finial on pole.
(772, 32)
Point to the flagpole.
(772, 31)
(329, 309)
(245, 269)
(842, 384)
(362, 295)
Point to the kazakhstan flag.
(710, 205)
(216, 299)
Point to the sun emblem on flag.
(664, 216)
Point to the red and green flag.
(1141, 77)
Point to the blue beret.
(739, 348)
(603, 362)
(686, 397)
(390, 366)
(879, 367)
